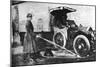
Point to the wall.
(84, 15)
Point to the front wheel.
(81, 45)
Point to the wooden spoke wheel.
(81, 45)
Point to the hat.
(29, 15)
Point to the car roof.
(61, 10)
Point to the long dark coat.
(29, 40)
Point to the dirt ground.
(18, 59)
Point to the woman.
(29, 40)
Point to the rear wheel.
(59, 39)
(81, 45)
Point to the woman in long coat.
(29, 40)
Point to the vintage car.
(67, 34)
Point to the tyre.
(81, 45)
(59, 38)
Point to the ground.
(17, 59)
